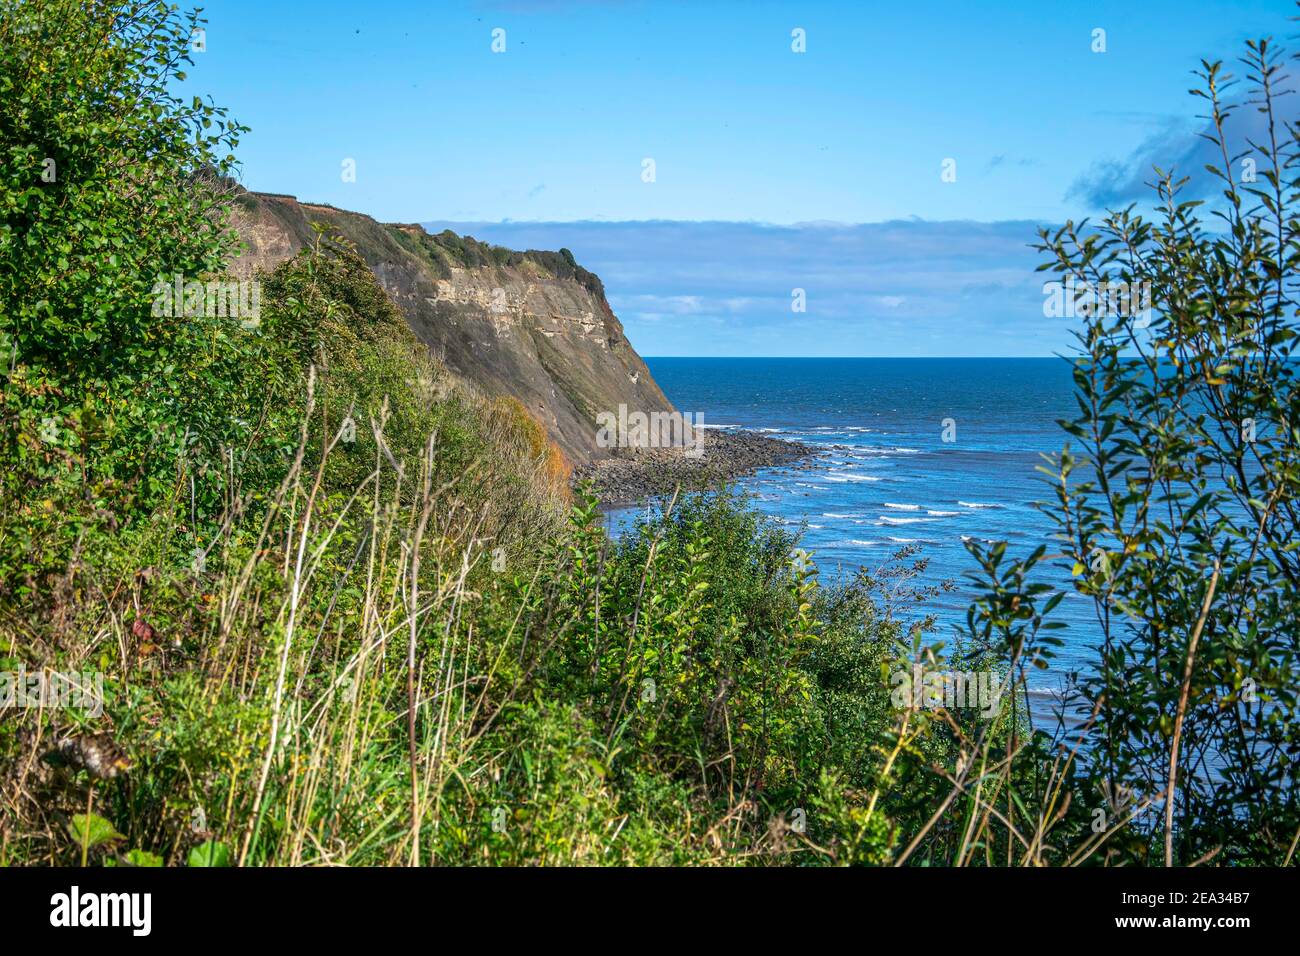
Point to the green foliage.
(449, 249)
(210, 853)
(346, 615)
(142, 858)
(130, 189)
(91, 830)
(1175, 503)
(341, 615)
(107, 181)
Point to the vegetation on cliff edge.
(347, 614)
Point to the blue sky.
(756, 148)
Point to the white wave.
(976, 504)
(889, 504)
(943, 514)
(885, 519)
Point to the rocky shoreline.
(636, 474)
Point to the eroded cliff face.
(533, 325)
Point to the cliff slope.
(533, 325)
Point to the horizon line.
(765, 223)
(834, 358)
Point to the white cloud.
(725, 288)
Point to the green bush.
(108, 182)
(347, 612)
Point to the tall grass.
(348, 613)
(352, 677)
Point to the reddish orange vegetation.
(513, 415)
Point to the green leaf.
(142, 858)
(211, 853)
(91, 830)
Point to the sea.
(924, 452)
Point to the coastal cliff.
(533, 325)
